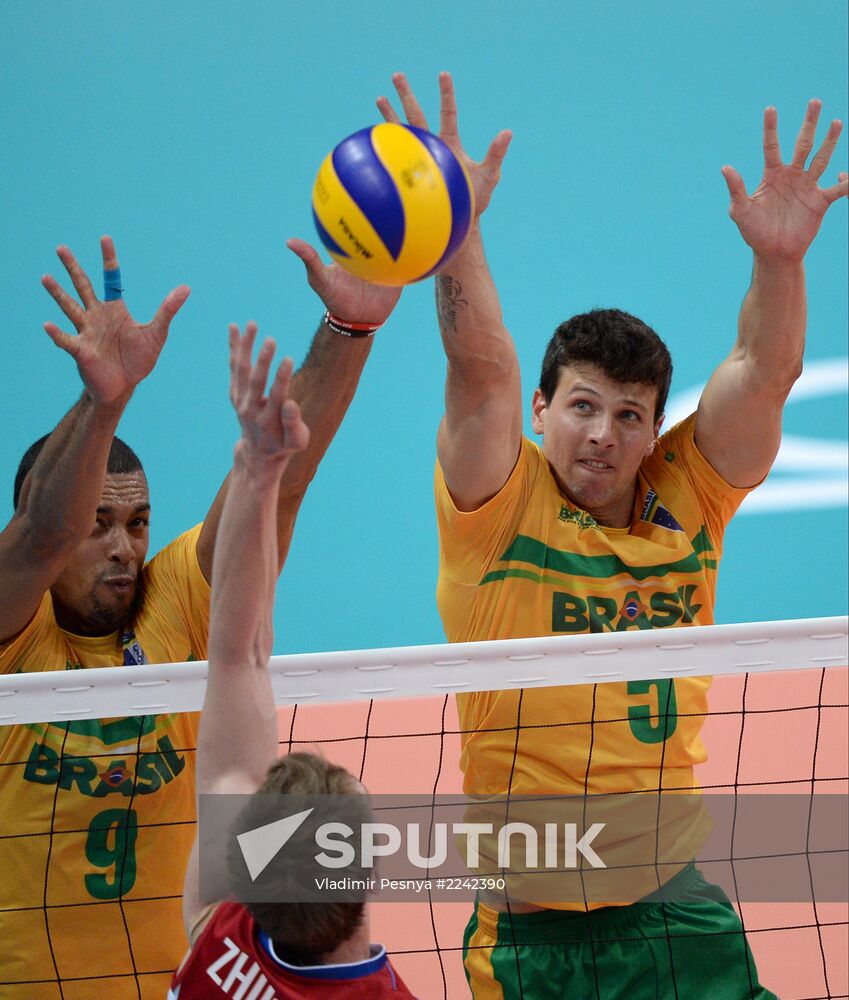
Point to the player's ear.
(656, 434)
(539, 408)
(659, 424)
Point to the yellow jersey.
(98, 815)
(528, 563)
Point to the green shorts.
(688, 946)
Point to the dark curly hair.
(622, 346)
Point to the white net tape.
(412, 671)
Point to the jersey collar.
(347, 970)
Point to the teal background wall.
(191, 132)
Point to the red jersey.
(234, 958)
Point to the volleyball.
(392, 204)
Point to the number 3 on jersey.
(656, 721)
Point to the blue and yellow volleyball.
(392, 204)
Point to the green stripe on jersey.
(702, 543)
(529, 550)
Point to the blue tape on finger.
(112, 285)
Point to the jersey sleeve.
(470, 540)
(16, 654)
(175, 578)
(717, 499)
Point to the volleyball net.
(776, 723)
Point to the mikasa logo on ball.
(392, 204)
(358, 247)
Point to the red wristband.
(346, 329)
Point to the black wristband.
(346, 329)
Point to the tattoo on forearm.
(449, 302)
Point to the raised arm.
(237, 740)
(57, 505)
(323, 387)
(738, 426)
(480, 434)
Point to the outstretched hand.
(484, 175)
(782, 216)
(272, 427)
(112, 351)
(345, 296)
